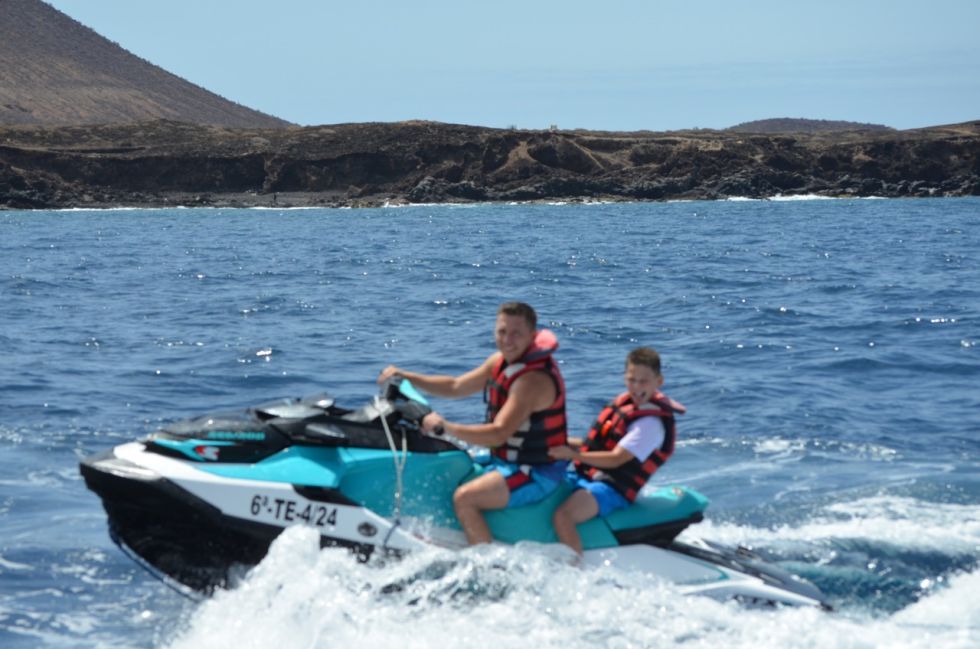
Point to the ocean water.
(828, 352)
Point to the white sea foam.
(904, 522)
(124, 208)
(768, 447)
(780, 446)
(781, 197)
(8, 565)
(524, 596)
(801, 197)
(397, 206)
(956, 605)
(121, 208)
(275, 208)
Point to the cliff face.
(166, 163)
(54, 70)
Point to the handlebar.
(405, 398)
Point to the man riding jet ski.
(201, 496)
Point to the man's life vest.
(611, 426)
(544, 429)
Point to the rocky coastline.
(165, 164)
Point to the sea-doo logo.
(207, 452)
(236, 435)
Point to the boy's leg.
(489, 491)
(577, 508)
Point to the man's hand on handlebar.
(434, 424)
(387, 373)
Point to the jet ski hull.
(179, 535)
(174, 532)
(202, 541)
(202, 500)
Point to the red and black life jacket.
(544, 429)
(611, 426)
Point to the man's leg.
(577, 508)
(489, 491)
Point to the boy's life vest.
(544, 429)
(611, 426)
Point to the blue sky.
(614, 65)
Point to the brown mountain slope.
(56, 71)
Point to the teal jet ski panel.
(311, 466)
(669, 508)
(533, 523)
(429, 480)
(664, 505)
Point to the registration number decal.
(291, 511)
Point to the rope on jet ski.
(399, 463)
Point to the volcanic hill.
(56, 71)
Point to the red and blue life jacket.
(611, 426)
(544, 429)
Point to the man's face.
(513, 335)
(642, 382)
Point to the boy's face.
(642, 382)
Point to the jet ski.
(200, 500)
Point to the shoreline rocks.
(165, 164)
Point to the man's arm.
(530, 393)
(440, 385)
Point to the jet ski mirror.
(406, 398)
(398, 388)
(411, 393)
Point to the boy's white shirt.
(643, 437)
